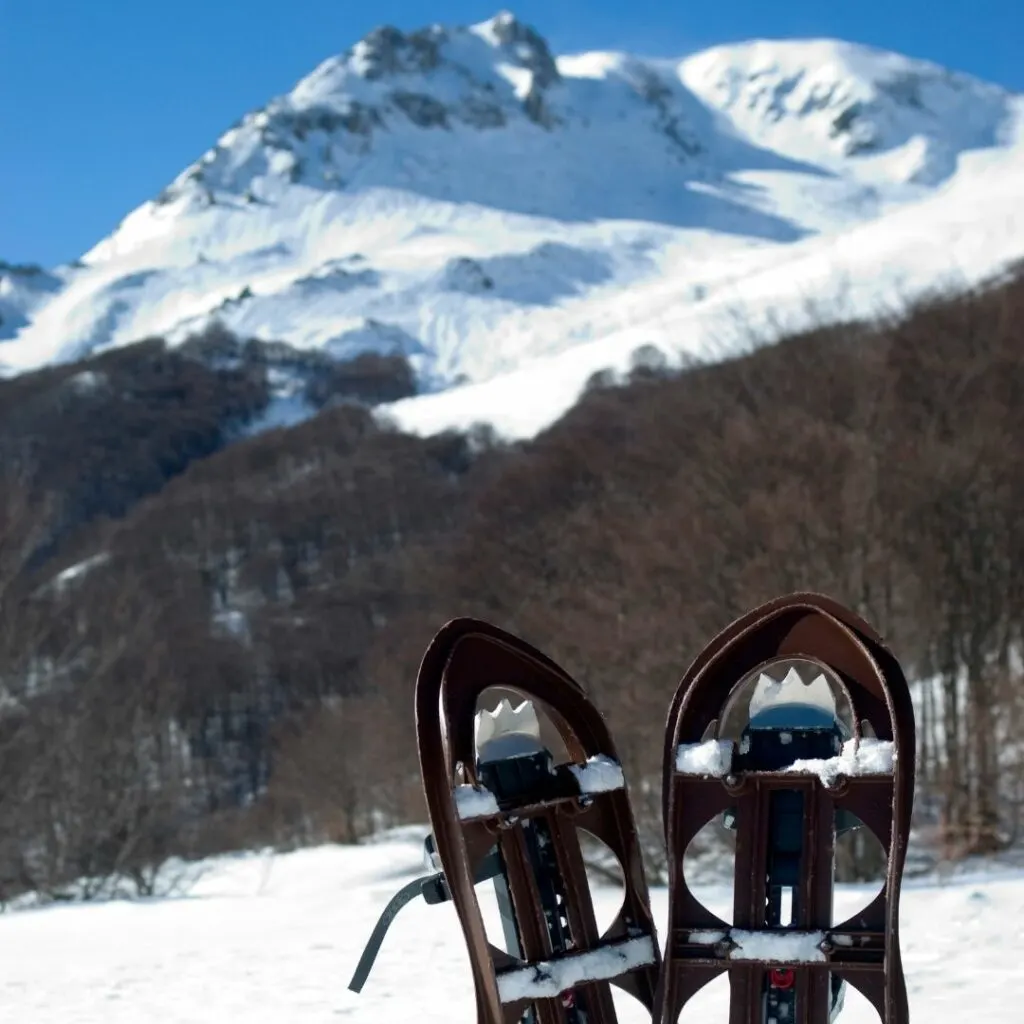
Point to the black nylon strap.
(405, 895)
(433, 889)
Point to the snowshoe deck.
(500, 808)
(785, 806)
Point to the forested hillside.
(209, 631)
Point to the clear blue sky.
(102, 102)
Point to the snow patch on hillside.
(968, 233)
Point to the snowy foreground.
(263, 939)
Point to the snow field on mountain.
(514, 220)
(264, 940)
(969, 232)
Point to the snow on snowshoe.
(794, 725)
(501, 808)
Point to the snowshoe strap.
(433, 889)
(405, 895)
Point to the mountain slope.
(966, 234)
(467, 199)
(23, 289)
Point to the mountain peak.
(388, 51)
(464, 196)
(500, 27)
(808, 101)
(478, 75)
(852, 99)
(523, 43)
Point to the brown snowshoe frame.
(466, 658)
(864, 950)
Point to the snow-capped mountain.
(504, 216)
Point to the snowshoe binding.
(500, 808)
(794, 725)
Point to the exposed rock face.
(529, 47)
(355, 118)
(531, 52)
(485, 77)
(424, 111)
(479, 113)
(467, 275)
(387, 51)
(652, 88)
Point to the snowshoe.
(794, 725)
(501, 808)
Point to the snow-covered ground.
(261, 940)
(515, 220)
